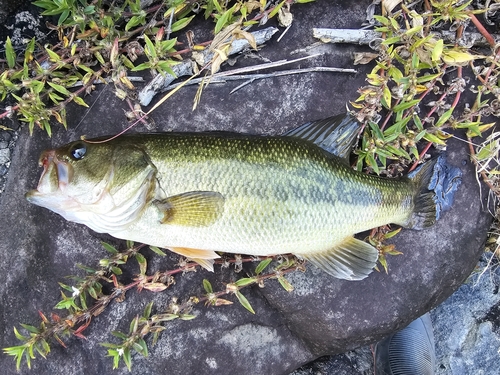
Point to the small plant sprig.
(100, 42)
(142, 326)
(377, 238)
(79, 311)
(410, 68)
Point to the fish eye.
(78, 151)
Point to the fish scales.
(281, 194)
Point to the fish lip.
(64, 173)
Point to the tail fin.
(436, 183)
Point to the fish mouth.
(56, 175)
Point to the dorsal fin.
(335, 134)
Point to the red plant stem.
(433, 109)
(389, 114)
(482, 30)
(420, 156)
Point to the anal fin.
(203, 257)
(208, 264)
(352, 259)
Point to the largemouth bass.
(198, 194)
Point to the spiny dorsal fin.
(335, 134)
(352, 259)
(194, 208)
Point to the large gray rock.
(467, 326)
(322, 316)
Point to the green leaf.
(437, 51)
(168, 45)
(434, 139)
(143, 264)
(120, 335)
(370, 160)
(217, 6)
(413, 30)
(30, 328)
(285, 284)
(89, 9)
(245, 281)
(182, 23)
(418, 122)
(376, 130)
(396, 128)
(45, 4)
(109, 248)
(10, 54)
(147, 311)
(63, 90)
(83, 301)
(262, 265)
(99, 57)
(244, 302)
(207, 286)
(405, 105)
(392, 233)
(78, 100)
(144, 347)
(86, 269)
(67, 287)
(157, 251)
(146, 65)
(19, 336)
(53, 56)
(150, 48)
(457, 58)
(428, 77)
(55, 98)
(134, 325)
(393, 40)
(129, 64)
(127, 359)
(276, 9)
(46, 126)
(394, 23)
(64, 15)
(444, 117)
(415, 61)
(386, 97)
(223, 20)
(134, 21)
(168, 317)
(165, 67)
(187, 317)
(91, 291)
(138, 348)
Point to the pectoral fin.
(204, 258)
(194, 208)
(350, 260)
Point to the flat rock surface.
(321, 316)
